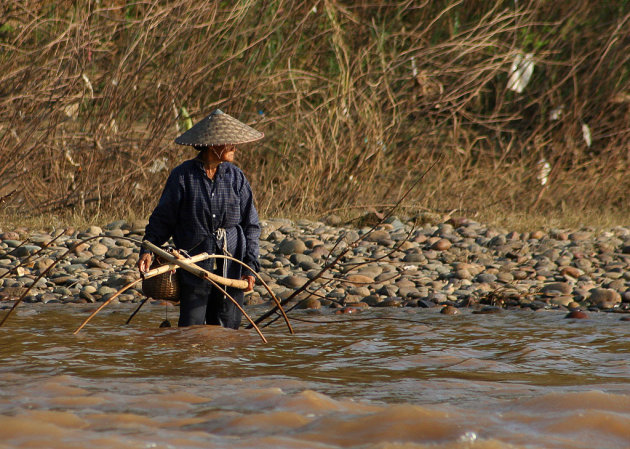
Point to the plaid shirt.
(192, 207)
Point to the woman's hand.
(144, 262)
(251, 280)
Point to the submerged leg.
(192, 305)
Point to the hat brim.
(219, 128)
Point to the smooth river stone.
(561, 300)
(26, 250)
(486, 278)
(557, 288)
(292, 281)
(577, 315)
(359, 291)
(93, 231)
(449, 310)
(390, 302)
(359, 280)
(291, 246)
(118, 252)
(299, 258)
(604, 298)
(98, 249)
(310, 303)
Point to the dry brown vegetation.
(357, 99)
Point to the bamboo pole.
(115, 295)
(136, 311)
(214, 279)
(256, 275)
(149, 274)
(194, 269)
(264, 284)
(352, 245)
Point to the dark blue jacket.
(192, 207)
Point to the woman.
(207, 206)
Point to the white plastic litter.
(556, 113)
(521, 72)
(586, 134)
(544, 168)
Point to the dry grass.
(356, 98)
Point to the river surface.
(518, 379)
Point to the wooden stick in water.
(149, 274)
(218, 284)
(194, 269)
(264, 284)
(214, 279)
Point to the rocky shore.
(456, 264)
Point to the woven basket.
(163, 286)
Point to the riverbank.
(460, 263)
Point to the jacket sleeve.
(251, 228)
(164, 217)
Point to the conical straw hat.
(219, 128)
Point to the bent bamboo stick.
(264, 284)
(210, 277)
(197, 271)
(149, 274)
(261, 280)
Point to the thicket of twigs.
(356, 99)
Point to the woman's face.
(219, 153)
(225, 153)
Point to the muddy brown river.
(410, 378)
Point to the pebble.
(292, 281)
(442, 245)
(456, 263)
(486, 278)
(604, 298)
(449, 310)
(576, 314)
(561, 300)
(556, 288)
(359, 280)
(390, 302)
(291, 246)
(310, 303)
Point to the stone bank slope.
(460, 263)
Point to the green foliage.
(6, 31)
